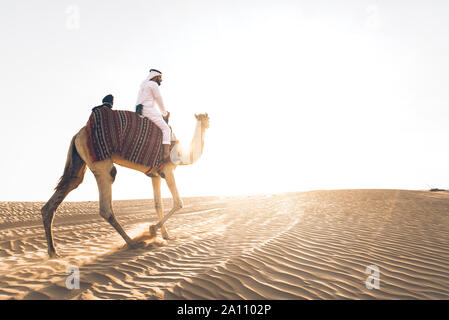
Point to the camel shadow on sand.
(112, 273)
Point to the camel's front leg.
(158, 205)
(177, 202)
(104, 173)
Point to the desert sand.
(308, 245)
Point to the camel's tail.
(74, 170)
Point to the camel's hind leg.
(104, 172)
(72, 177)
(48, 212)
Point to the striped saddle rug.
(125, 133)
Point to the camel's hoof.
(136, 244)
(153, 231)
(167, 236)
(132, 245)
(53, 255)
(141, 244)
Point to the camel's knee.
(46, 217)
(105, 214)
(178, 205)
(48, 212)
(158, 204)
(45, 211)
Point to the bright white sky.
(302, 95)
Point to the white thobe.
(149, 94)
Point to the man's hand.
(167, 116)
(139, 108)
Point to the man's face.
(158, 79)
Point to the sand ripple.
(313, 245)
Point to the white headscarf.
(152, 74)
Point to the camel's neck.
(194, 152)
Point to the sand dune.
(311, 245)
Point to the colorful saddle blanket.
(124, 133)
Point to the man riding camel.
(149, 94)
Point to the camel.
(104, 171)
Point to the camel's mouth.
(205, 122)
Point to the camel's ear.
(196, 116)
(207, 115)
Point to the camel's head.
(204, 118)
